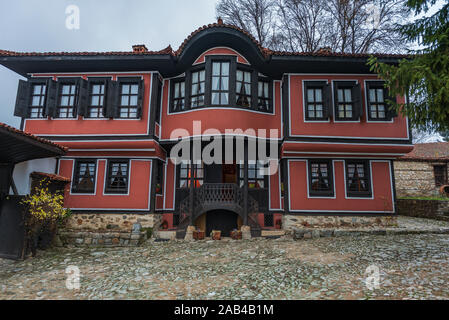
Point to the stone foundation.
(430, 209)
(291, 222)
(114, 230)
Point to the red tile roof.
(169, 51)
(26, 134)
(53, 177)
(429, 152)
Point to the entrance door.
(224, 221)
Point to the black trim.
(389, 113)
(367, 177)
(329, 177)
(107, 188)
(76, 176)
(325, 103)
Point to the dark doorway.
(222, 220)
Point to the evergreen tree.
(424, 77)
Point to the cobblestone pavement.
(411, 267)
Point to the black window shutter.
(140, 98)
(357, 101)
(327, 101)
(83, 97)
(23, 99)
(52, 98)
(391, 112)
(112, 100)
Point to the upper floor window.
(38, 95)
(347, 100)
(198, 88)
(117, 177)
(220, 83)
(316, 100)
(377, 96)
(358, 178)
(179, 95)
(243, 88)
(129, 94)
(321, 178)
(84, 176)
(97, 93)
(67, 100)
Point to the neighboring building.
(117, 111)
(423, 171)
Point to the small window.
(38, 94)
(175, 219)
(117, 177)
(377, 96)
(198, 88)
(185, 174)
(243, 89)
(84, 177)
(441, 178)
(68, 100)
(129, 99)
(344, 103)
(160, 177)
(321, 178)
(358, 180)
(263, 95)
(96, 99)
(179, 96)
(256, 178)
(220, 83)
(268, 220)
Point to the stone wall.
(431, 209)
(104, 229)
(292, 222)
(415, 179)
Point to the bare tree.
(349, 26)
(255, 16)
(426, 136)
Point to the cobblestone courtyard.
(412, 267)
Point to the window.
(321, 178)
(96, 99)
(256, 178)
(38, 100)
(441, 178)
(377, 98)
(175, 219)
(347, 100)
(179, 94)
(185, 174)
(345, 103)
(68, 100)
(243, 89)
(198, 88)
(263, 94)
(129, 100)
(220, 83)
(358, 183)
(268, 220)
(84, 176)
(117, 177)
(160, 177)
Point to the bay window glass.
(220, 83)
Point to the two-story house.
(122, 113)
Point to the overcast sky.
(105, 25)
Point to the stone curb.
(300, 234)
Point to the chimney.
(325, 50)
(138, 48)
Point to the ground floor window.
(185, 175)
(84, 176)
(117, 177)
(256, 177)
(268, 220)
(321, 178)
(358, 178)
(159, 179)
(440, 175)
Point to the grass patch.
(425, 198)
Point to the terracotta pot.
(216, 235)
(199, 235)
(236, 235)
